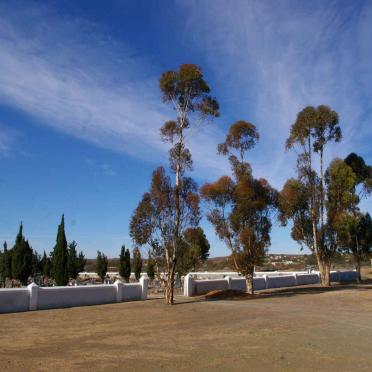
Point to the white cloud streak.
(276, 59)
(69, 75)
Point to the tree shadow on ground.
(231, 295)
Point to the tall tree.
(155, 222)
(73, 262)
(137, 263)
(60, 256)
(150, 266)
(189, 95)
(101, 265)
(21, 258)
(124, 264)
(313, 129)
(354, 227)
(241, 207)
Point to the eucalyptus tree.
(187, 92)
(355, 227)
(194, 250)
(241, 207)
(313, 129)
(155, 222)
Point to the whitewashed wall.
(14, 299)
(193, 287)
(34, 297)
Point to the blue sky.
(80, 108)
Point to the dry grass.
(294, 329)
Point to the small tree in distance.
(73, 264)
(46, 264)
(81, 261)
(137, 263)
(124, 264)
(150, 266)
(101, 265)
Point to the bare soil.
(294, 329)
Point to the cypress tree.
(137, 263)
(150, 267)
(7, 262)
(21, 258)
(36, 264)
(101, 265)
(81, 261)
(124, 265)
(46, 265)
(60, 256)
(73, 264)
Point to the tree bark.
(325, 270)
(169, 289)
(359, 276)
(249, 283)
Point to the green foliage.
(137, 263)
(124, 264)
(240, 208)
(319, 124)
(341, 181)
(73, 262)
(36, 264)
(194, 251)
(46, 264)
(101, 265)
(154, 221)
(150, 266)
(60, 256)
(242, 136)
(362, 171)
(81, 262)
(312, 130)
(21, 258)
(187, 89)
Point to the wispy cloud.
(274, 58)
(64, 72)
(71, 76)
(8, 137)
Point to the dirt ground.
(302, 329)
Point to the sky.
(80, 106)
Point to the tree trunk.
(169, 289)
(249, 283)
(325, 270)
(359, 276)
